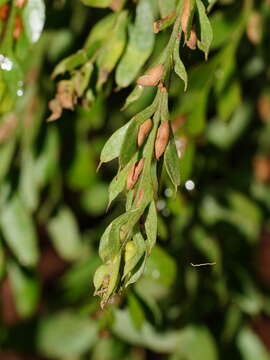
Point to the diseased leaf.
(151, 226)
(140, 45)
(19, 232)
(206, 33)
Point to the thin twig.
(203, 264)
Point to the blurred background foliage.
(53, 202)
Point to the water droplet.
(5, 63)
(189, 185)
(161, 204)
(168, 192)
(20, 92)
(155, 274)
(166, 212)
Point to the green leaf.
(140, 45)
(66, 334)
(148, 337)
(81, 173)
(224, 134)
(6, 153)
(129, 144)
(109, 244)
(196, 343)
(64, 233)
(133, 96)
(46, 163)
(161, 267)
(112, 50)
(95, 199)
(197, 118)
(34, 9)
(172, 162)
(2, 260)
(119, 182)
(229, 100)
(179, 67)
(19, 232)
(82, 77)
(97, 3)
(111, 149)
(70, 63)
(139, 250)
(186, 162)
(250, 346)
(135, 311)
(137, 273)
(28, 186)
(166, 7)
(151, 226)
(206, 33)
(25, 288)
(99, 33)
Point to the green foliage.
(164, 252)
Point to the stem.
(7, 43)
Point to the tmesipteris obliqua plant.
(143, 146)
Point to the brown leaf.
(263, 107)
(8, 126)
(262, 169)
(152, 76)
(192, 41)
(159, 23)
(254, 28)
(185, 15)
(143, 132)
(66, 95)
(4, 11)
(56, 109)
(162, 139)
(18, 27)
(134, 173)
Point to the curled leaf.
(162, 139)
(152, 77)
(143, 132)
